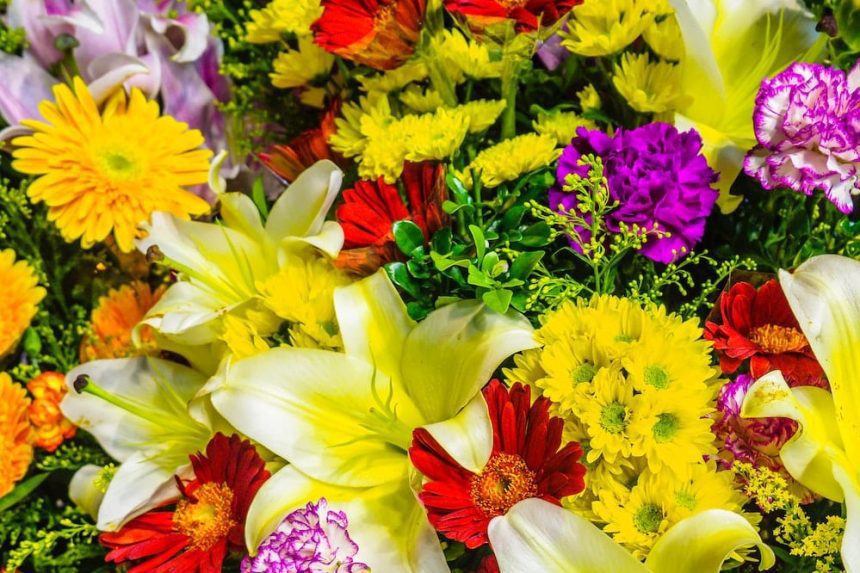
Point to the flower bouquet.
(429, 286)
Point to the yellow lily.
(536, 536)
(824, 454)
(344, 421)
(731, 46)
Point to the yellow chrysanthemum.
(638, 519)
(560, 125)
(20, 296)
(589, 99)
(434, 135)
(512, 158)
(700, 486)
(16, 435)
(603, 27)
(606, 406)
(107, 172)
(114, 319)
(421, 100)
(482, 113)
(242, 337)
(296, 68)
(370, 117)
(647, 86)
(302, 293)
(398, 78)
(461, 58)
(282, 16)
(664, 37)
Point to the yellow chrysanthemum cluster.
(511, 158)
(634, 385)
(604, 27)
(20, 296)
(382, 142)
(560, 125)
(281, 17)
(649, 87)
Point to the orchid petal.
(449, 356)
(702, 542)
(386, 522)
(320, 411)
(83, 491)
(25, 84)
(468, 436)
(110, 71)
(301, 210)
(536, 536)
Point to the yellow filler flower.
(20, 295)
(104, 172)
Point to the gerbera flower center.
(656, 376)
(665, 428)
(207, 518)
(504, 481)
(117, 161)
(775, 339)
(647, 518)
(613, 418)
(385, 13)
(511, 4)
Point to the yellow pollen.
(776, 339)
(206, 519)
(385, 13)
(504, 481)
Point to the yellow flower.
(589, 99)
(460, 58)
(421, 100)
(296, 68)
(560, 125)
(16, 435)
(368, 118)
(114, 319)
(398, 78)
(648, 87)
(242, 337)
(282, 16)
(434, 135)
(482, 113)
(302, 293)
(700, 487)
(639, 519)
(603, 27)
(20, 297)
(511, 158)
(665, 38)
(606, 406)
(108, 172)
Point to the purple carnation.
(309, 540)
(807, 123)
(656, 174)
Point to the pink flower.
(807, 123)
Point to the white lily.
(138, 411)
(222, 265)
(824, 454)
(731, 46)
(345, 420)
(536, 536)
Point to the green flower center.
(624, 338)
(647, 518)
(657, 377)
(613, 418)
(665, 428)
(685, 499)
(585, 372)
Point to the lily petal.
(302, 208)
(468, 436)
(83, 491)
(449, 356)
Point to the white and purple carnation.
(807, 123)
(657, 175)
(309, 540)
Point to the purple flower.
(807, 123)
(309, 540)
(656, 174)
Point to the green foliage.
(72, 456)
(12, 40)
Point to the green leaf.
(488, 262)
(480, 241)
(408, 236)
(479, 279)
(441, 241)
(513, 216)
(536, 235)
(399, 275)
(525, 263)
(450, 207)
(498, 300)
(443, 263)
(32, 342)
(21, 491)
(458, 189)
(258, 195)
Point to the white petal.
(302, 208)
(468, 436)
(83, 492)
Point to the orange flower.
(16, 435)
(113, 320)
(20, 297)
(51, 427)
(377, 33)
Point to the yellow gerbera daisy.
(114, 319)
(648, 86)
(16, 435)
(103, 172)
(20, 295)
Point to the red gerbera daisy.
(206, 522)
(525, 462)
(757, 324)
(370, 209)
(528, 15)
(377, 33)
(288, 161)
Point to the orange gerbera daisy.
(20, 296)
(51, 427)
(16, 451)
(113, 320)
(106, 171)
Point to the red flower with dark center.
(288, 161)
(758, 325)
(206, 523)
(528, 15)
(525, 462)
(370, 209)
(377, 33)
